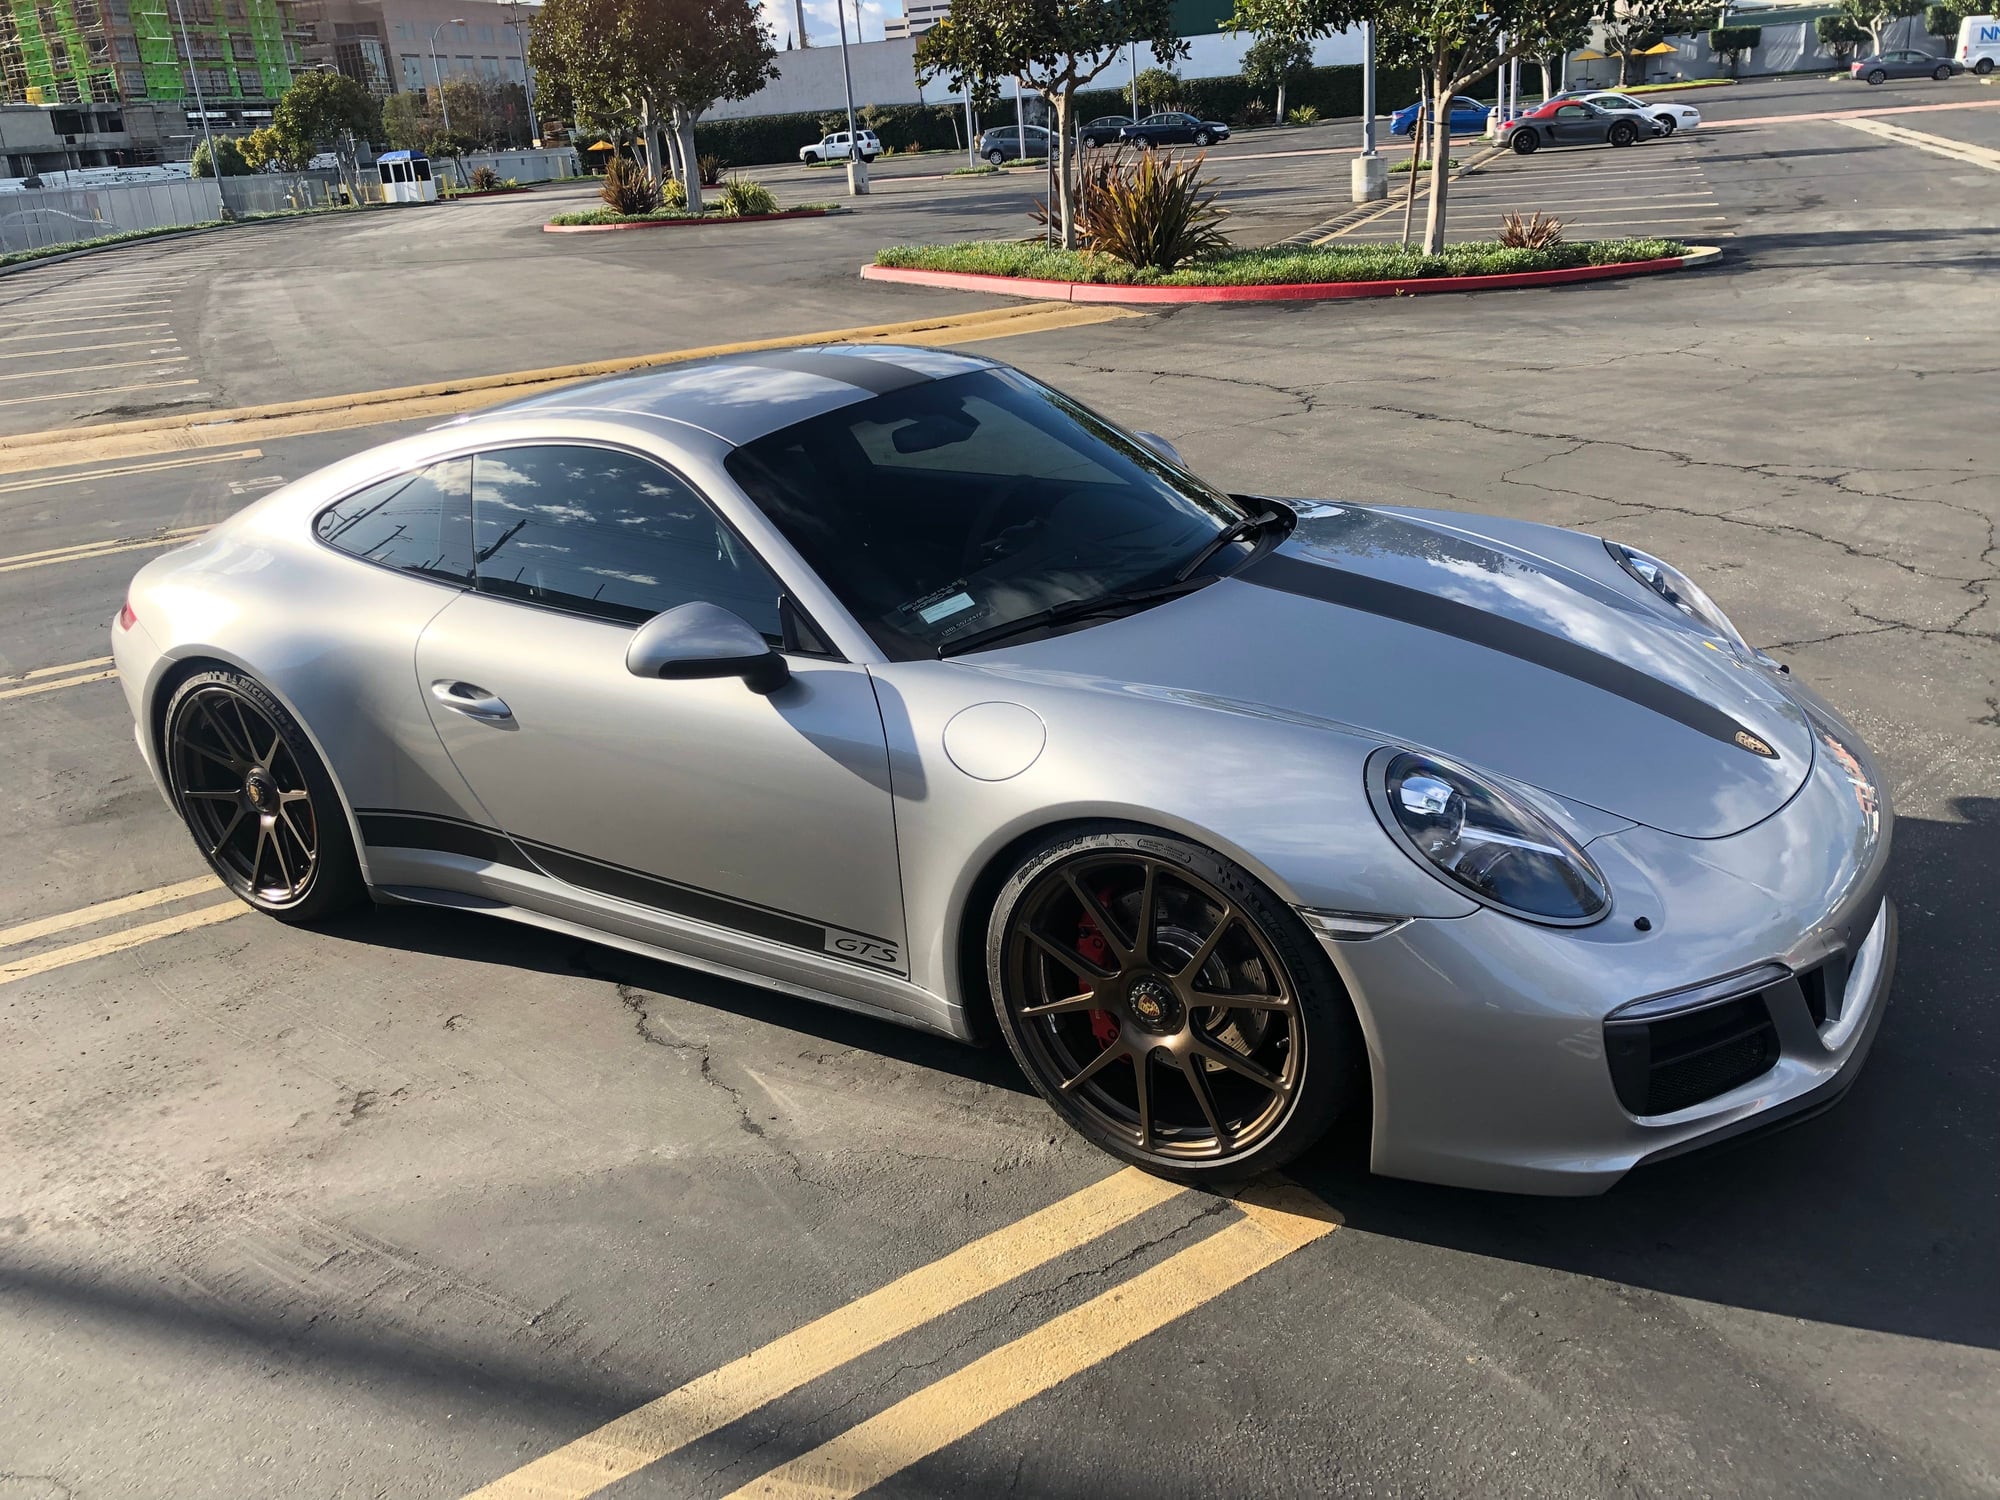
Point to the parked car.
(1231, 814)
(1005, 143)
(1668, 113)
(1571, 122)
(1468, 117)
(1174, 129)
(836, 148)
(1883, 66)
(1103, 130)
(1978, 46)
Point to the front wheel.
(1878, 76)
(1203, 138)
(1668, 124)
(260, 805)
(1526, 143)
(1942, 75)
(1623, 133)
(1168, 1006)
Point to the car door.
(1468, 116)
(1576, 124)
(765, 814)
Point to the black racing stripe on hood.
(1466, 622)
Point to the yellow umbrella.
(601, 146)
(1586, 55)
(1659, 49)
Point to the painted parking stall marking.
(50, 679)
(85, 551)
(1277, 1220)
(1936, 145)
(43, 960)
(723, 1396)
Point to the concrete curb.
(688, 223)
(1306, 291)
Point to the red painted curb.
(1304, 291)
(790, 213)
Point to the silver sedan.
(896, 680)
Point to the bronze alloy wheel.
(253, 794)
(1144, 989)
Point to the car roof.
(742, 397)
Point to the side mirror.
(705, 640)
(1162, 447)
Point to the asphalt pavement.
(409, 1204)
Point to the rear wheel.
(1623, 132)
(997, 156)
(1878, 76)
(1983, 66)
(260, 805)
(1526, 142)
(1168, 1006)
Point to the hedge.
(762, 139)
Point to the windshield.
(951, 507)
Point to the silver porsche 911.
(894, 679)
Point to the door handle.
(473, 702)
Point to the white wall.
(809, 79)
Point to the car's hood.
(1472, 649)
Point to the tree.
(665, 61)
(321, 106)
(1054, 47)
(1452, 44)
(227, 157)
(1273, 60)
(1733, 41)
(270, 149)
(1877, 16)
(1943, 21)
(1156, 89)
(1839, 36)
(1631, 26)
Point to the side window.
(1571, 112)
(416, 523)
(608, 534)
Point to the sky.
(822, 23)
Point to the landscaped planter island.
(604, 220)
(1277, 274)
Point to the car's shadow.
(1879, 1214)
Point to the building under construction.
(148, 56)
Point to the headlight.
(1679, 590)
(1487, 843)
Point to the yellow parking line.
(118, 942)
(98, 549)
(24, 452)
(101, 390)
(1937, 145)
(726, 1395)
(104, 911)
(68, 666)
(1287, 1219)
(49, 687)
(14, 486)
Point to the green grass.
(1276, 265)
(984, 169)
(612, 216)
(1422, 166)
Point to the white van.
(1978, 46)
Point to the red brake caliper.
(1091, 945)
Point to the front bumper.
(1487, 1036)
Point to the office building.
(918, 17)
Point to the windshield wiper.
(1075, 609)
(1249, 526)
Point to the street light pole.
(194, 77)
(436, 67)
(1367, 88)
(515, 20)
(857, 170)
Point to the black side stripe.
(876, 376)
(402, 830)
(1465, 622)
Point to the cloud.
(822, 21)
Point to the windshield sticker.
(942, 609)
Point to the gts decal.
(865, 950)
